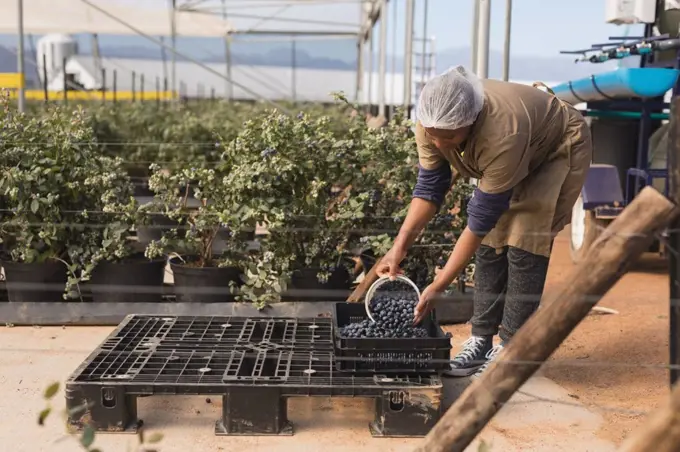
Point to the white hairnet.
(451, 100)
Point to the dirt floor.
(596, 389)
(613, 364)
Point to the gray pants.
(508, 288)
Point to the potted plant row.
(59, 194)
(321, 186)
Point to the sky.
(540, 27)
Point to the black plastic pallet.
(389, 355)
(153, 355)
(146, 332)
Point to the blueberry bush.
(323, 185)
(55, 186)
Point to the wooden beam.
(626, 238)
(661, 432)
(357, 295)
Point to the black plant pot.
(305, 286)
(137, 170)
(135, 280)
(203, 284)
(140, 187)
(160, 224)
(34, 283)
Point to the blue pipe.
(622, 83)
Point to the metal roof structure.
(76, 16)
(289, 17)
(230, 19)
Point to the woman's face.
(445, 139)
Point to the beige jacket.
(529, 141)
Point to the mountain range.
(343, 57)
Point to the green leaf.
(35, 205)
(77, 410)
(155, 438)
(43, 415)
(87, 438)
(51, 390)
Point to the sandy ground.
(614, 364)
(590, 395)
(622, 357)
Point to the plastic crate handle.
(377, 284)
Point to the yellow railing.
(14, 81)
(11, 80)
(108, 96)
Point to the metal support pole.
(96, 52)
(360, 71)
(370, 71)
(228, 86)
(227, 56)
(506, 47)
(173, 43)
(424, 50)
(103, 72)
(44, 77)
(293, 69)
(484, 32)
(114, 86)
(408, 54)
(475, 35)
(393, 71)
(20, 58)
(164, 57)
(65, 84)
(674, 240)
(382, 63)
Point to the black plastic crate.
(389, 355)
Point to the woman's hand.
(426, 303)
(389, 264)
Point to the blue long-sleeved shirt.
(432, 185)
(484, 209)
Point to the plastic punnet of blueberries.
(392, 308)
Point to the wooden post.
(357, 295)
(661, 432)
(674, 242)
(626, 238)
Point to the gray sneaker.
(490, 357)
(471, 358)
